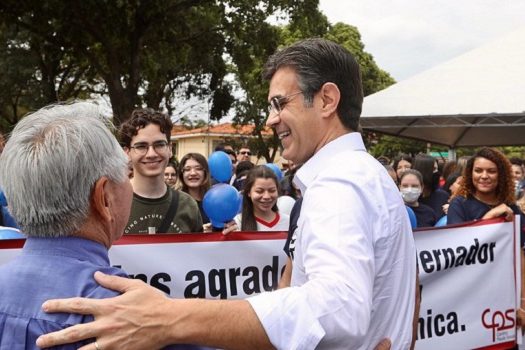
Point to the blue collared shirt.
(48, 268)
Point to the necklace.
(487, 204)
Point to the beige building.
(204, 140)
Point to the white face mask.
(410, 194)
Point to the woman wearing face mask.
(411, 187)
(259, 202)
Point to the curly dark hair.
(140, 118)
(504, 190)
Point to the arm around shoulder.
(228, 324)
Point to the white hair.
(51, 162)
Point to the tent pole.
(451, 154)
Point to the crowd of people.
(450, 191)
(355, 284)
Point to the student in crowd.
(462, 163)
(244, 154)
(402, 163)
(486, 192)
(259, 202)
(453, 183)
(194, 175)
(411, 187)
(156, 207)
(288, 188)
(241, 171)
(383, 160)
(432, 195)
(452, 186)
(518, 175)
(448, 168)
(170, 175)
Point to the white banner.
(208, 265)
(467, 275)
(468, 292)
(204, 265)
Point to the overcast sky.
(409, 36)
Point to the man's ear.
(330, 96)
(126, 150)
(99, 199)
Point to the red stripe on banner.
(501, 346)
(12, 243)
(201, 237)
(176, 238)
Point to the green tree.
(141, 52)
(35, 74)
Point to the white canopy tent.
(476, 99)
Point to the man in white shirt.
(354, 268)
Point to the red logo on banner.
(498, 321)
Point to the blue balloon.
(411, 216)
(10, 233)
(221, 204)
(240, 203)
(441, 222)
(220, 166)
(3, 200)
(276, 170)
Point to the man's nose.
(273, 119)
(151, 151)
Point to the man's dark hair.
(140, 118)
(319, 61)
(222, 147)
(516, 161)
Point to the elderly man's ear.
(100, 203)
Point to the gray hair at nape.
(51, 163)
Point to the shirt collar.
(74, 247)
(309, 171)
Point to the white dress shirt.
(354, 267)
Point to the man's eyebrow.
(277, 96)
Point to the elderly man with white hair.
(65, 178)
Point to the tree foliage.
(139, 52)
(144, 52)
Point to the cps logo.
(498, 321)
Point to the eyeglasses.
(245, 153)
(277, 103)
(142, 148)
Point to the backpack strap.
(170, 214)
